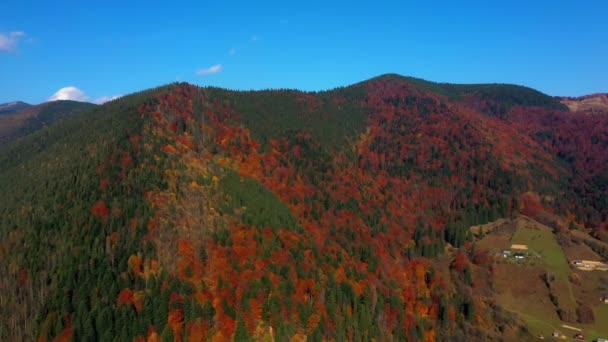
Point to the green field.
(541, 318)
(541, 240)
(600, 328)
(545, 326)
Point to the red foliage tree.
(100, 209)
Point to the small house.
(579, 336)
(506, 253)
(605, 299)
(599, 339)
(519, 255)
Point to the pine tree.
(167, 335)
(241, 333)
(468, 275)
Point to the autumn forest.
(185, 213)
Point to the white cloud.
(105, 99)
(8, 41)
(69, 93)
(75, 94)
(214, 69)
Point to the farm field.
(520, 284)
(541, 241)
(580, 251)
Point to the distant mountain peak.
(14, 106)
(587, 103)
(21, 118)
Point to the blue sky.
(112, 48)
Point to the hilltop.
(197, 213)
(501, 96)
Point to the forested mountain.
(23, 120)
(188, 213)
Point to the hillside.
(544, 287)
(28, 119)
(9, 107)
(589, 103)
(193, 213)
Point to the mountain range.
(375, 211)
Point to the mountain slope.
(200, 213)
(9, 107)
(19, 123)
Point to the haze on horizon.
(94, 52)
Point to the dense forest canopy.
(189, 213)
